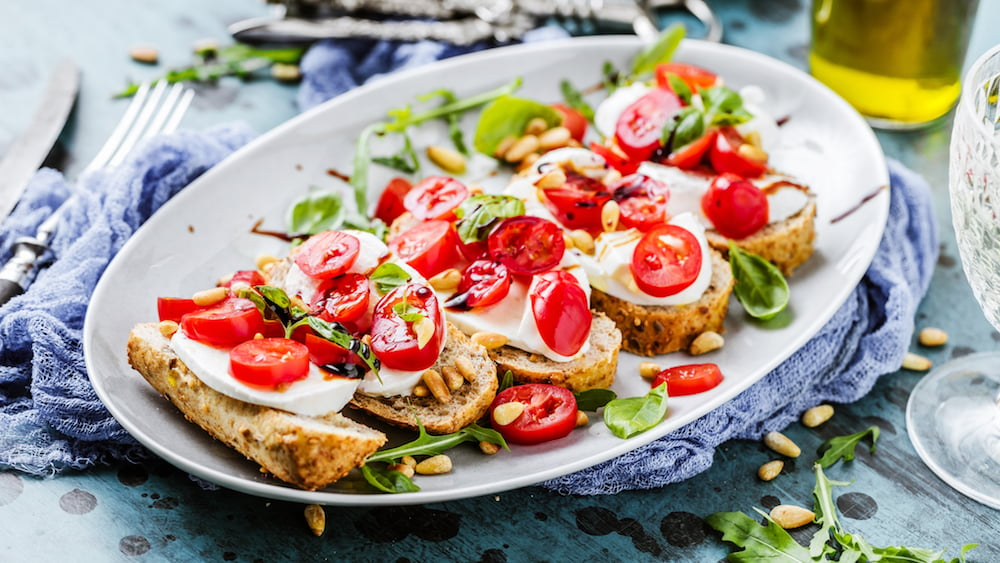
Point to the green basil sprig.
(634, 415)
(480, 213)
(389, 276)
(760, 287)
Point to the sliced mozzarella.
(785, 201)
(370, 253)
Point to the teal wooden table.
(154, 512)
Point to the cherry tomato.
(689, 379)
(527, 244)
(572, 120)
(666, 260)
(615, 158)
(484, 282)
(549, 413)
(694, 76)
(561, 310)
(435, 197)
(390, 203)
(228, 322)
(578, 203)
(343, 299)
(327, 254)
(394, 341)
(173, 308)
(322, 352)
(736, 207)
(269, 361)
(245, 278)
(642, 201)
(690, 155)
(429, 247)
(640, 126)
(726, 156)
(473, 251)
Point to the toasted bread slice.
(786, 244)
(654, 330)
(595, 368)
(309, 452)
(466, 403)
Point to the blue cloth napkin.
(51, 419)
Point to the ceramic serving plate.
(205, 231)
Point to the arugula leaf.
(634, 415)
(318, 211)
(759, 543)
(661, 51)
(426, 444)
(842, 447)
(480, 213)
(826, 514)
(574, 99)
(506, 382)
(405, 160)
(760, 287)
(388, 481)
(359, 176)
(389, 276)
(593, 399)
(507, 116)
(454, 131)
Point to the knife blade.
(30, 149)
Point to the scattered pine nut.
(208, 297)
(536, 126)
(452, 378)
(409, 460)
(286, 72)
(446, 159)
(488, 448)
(582, 240)
(446, 280)
(527, 163)
(916, 362)
(931, 336)
(582, 419)
(435, 383)
(753, 137)
(649, 370)
(790, 516)
(489, 340)
(770, 470)
(402, 468)
(610, 214)
(265, 260)
(781, 444)
(424, 329)
(168, 328)
(612, 176)
(553, 178)
(817, 415)
(505, 413)
(521, 148)
(504, 145)
(316, 519)
(554, 138)
(144, 54)
(706, 342)
(752, 152)
(421, 390)
(435, 465)
(465, 367)
(206, 46)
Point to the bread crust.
(787, 244)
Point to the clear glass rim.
(970, 88)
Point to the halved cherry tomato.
(390, 203)
(394, 341)
(615, 158)
(484, 282)
(527, 244)
(578, 203)
(689, 379)
(245, 278)
(474, 250)
(690, 155)
(430, 247)
(561, 310)
(666, 260)
(323, 353)
(435, 197)
(694, 76)
(640, 126)
(173, 308)
(642, 201)
(726, 156)
(343, 299)
(572, 120)
(736, 207)
(549, 413)
(269, 361)
(228, 322)
(327, 254)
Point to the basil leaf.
(724, 106)
(574, 99)
(507, 116)
(336, 333)
(680, 88)
(480, 213)
(426, 444)
(318, 211)
(760, 287)
(593, 399)
(686, 126)
(406, 311)
(389, 276)
(661, 51)
(405, 160)
(634, 415)
(388, 481)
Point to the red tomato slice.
(435, 197)
(173, 308)
(561, 310)
(394, 341)
(640, 126)
(725, 155)
(473, 251)
(642, 201)
(333, 357)
(578, 203)
(572, 120)
(736, 207)
(228, 322)
(615, 158)
(269, 361)
(549, 413)
(689, 379)
(343, 299)
(690, 155)
(429, 247)
(694, 76)
(245, 278)
(390, 203)
(327, 254)
(666, 260)
(484, 282)
(527, 245)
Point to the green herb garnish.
(318, 211)
(634, 415)
(593, 399)
(507, 116)
(427, 444)
(389, 276)
(405, 160)
(574, 99)
(480, 213)
(842, 447)
(760, 287)
(661, 51)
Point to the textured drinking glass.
(898, 62)
(953, 414)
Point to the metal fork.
(149, 114)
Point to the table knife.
(25, 157)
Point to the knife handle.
(9, 290)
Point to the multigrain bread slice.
(594, 369)
(653, 330)
(786, 244)
(309, 452)
(466, 403)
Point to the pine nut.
(649, 370)
(781, 444)
(706, 342)
(409, 460)
(752, 152)
(582, 240)
(612, 176)
(446, 280)
(488, 448)
(568, 241)
(432, 379)
(465, 367)
(435, 465)
(144, 54)
(452, 378)
(770, 470)
(753, 137)
(286, 72)
(553, 178)
(582, 419)
(424, 329)
(554, 138)
(402, 468)
(168, 328)
(521, 148)
(489, 340)
(931, 336)
(505, 413)
(817, 415)
(916, 362)
(265, 260)
(527, 163)
(504, 145)
(212, 296)
(610, 214)
(536, 126)
(446, 159)
(789, 516)
(316, 519)
(421, 390)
